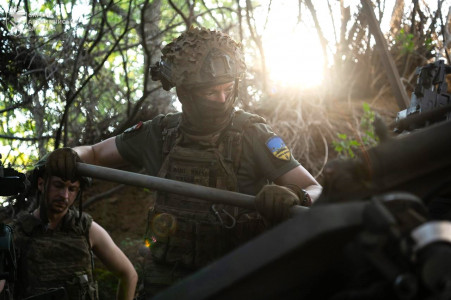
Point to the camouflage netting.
(187, 56)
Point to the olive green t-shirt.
(264, 156)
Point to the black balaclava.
(203, 116)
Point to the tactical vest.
(54, 258)
(202, 231)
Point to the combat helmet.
(200, 57)
(40, 169)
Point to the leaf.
(354, 143)
(366, 107)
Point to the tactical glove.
(273, 202)
(63, 163)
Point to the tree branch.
(32, 139)
(71, 99)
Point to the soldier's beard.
(58, 205)
(202, 116)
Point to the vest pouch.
(199, 237)
(248, 226)
(81, 289)
(176, 248)
(51, 294)
(94, 290)
(195, 245)
(211, 242)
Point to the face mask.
(202, 116)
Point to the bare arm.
(104, 154)
(302, 178)
(115, 260)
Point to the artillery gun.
(370, 235)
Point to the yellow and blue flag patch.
(278, 148)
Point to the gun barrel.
(419, 119)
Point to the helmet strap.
(80, 204)
(42, 196)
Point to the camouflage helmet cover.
(200, 57)
(40, 169)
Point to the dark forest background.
(67, 81)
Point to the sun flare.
(294, 58)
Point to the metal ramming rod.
(172, 186)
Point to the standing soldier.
(209, 143)
(55, 243)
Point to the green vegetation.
(107, 283)
(77, 72)
(405, 41)
(346, 145)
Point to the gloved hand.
(273, 202)
(63, 163)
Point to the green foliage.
(107, 283)
(405, 42)
(366, 125)
(82, 80)
(346, 145)
(148, 190)
(128, 242)
(430, 44)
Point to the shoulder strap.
(27, 222)
(241, 120)
(169, 128)
(70, 221)
(232, 138)
(87, 222)
(82, 227)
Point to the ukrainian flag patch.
(278, 148)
